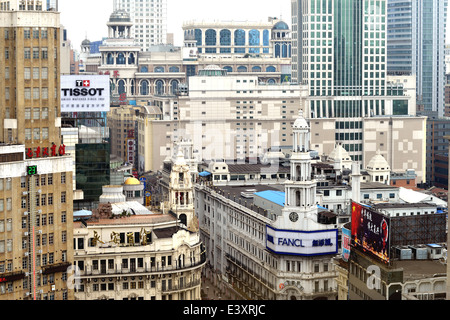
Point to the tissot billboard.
(302, 243)
(82, 93)
(370, 231)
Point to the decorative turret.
(181, 199)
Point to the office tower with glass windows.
(416, 33)
(339, 51)
(36, 191)
(149, 18)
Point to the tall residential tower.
(149, 18)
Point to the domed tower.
(281, 40)
(86, 46)
(119, 25)
(85, 53)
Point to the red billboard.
(370, 231)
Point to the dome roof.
(378, 162)
(212, 71)
(339, 153)
(301, 123)
(120, 16)
(86, 42)
(281, 25)
(132, 181)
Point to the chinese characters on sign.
(46, 152)
(370, 231)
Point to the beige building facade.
(145, 257)
(226, 117)
(36, 191)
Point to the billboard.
(370, 231)
(81, 93)
(346, 236)
(302, 243)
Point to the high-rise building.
(149, 19)
(35, 174)
(416, 33)
(340, 53)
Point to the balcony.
(180, 287)
(137, 271)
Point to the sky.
(87, 18)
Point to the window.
(27, 73)
(44, 73)
(35, 53)
(35, 73)
(44, 53)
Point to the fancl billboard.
(370, 231)
(82, 93)
(302, 243)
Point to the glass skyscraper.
(340, 52)
(416, 43)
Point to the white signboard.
(82, 93)
(302, 243)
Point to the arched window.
(256, 69)
(225, 40)
(285, 53)
(210, 40)
(210, 37)
(144, 88)
(159, 69)
(159, 87)
(253, 38)
(225, 37)
(277, 51)
(110, 59)
(266, 40)
(242, 69)
(120, 58)
(271, 69)
(132, 88)
(131, 59)
(228, 69)
(271, 81)
(144, 69)
(121, 86)
(174, 87)
(239, 40)
(198, 37)
(174, 69)
(239, 37)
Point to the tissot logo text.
(83, 92)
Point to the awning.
(204, 174)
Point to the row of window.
(240, 36)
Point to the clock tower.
(300, 210)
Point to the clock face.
(293, 216)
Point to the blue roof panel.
(276, 197)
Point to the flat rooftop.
(419, 269)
